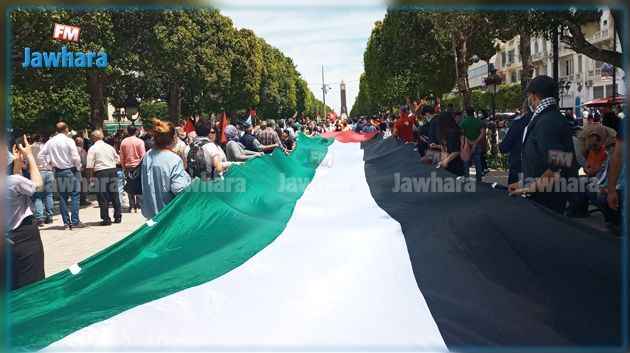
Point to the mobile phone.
(20, 140)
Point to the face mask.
(530, 105)
(422, 122)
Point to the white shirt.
(101, 156)
(181, 149)
(61, 151)
(292, 133)
(42, 164)
(19, 199)
(210, 150)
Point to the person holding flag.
(403, 128)
(220, 127)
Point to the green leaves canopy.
(188, 57)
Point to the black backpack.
(133, 182)
(197, 161)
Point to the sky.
(314, 33)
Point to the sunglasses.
(213, 132)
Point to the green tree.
(192, 59)
(508, 24)
(246, 71)
(471, 39)
(509, 97)
(39, 110)
(32, 27)
(150, 110)
(362, 104)
(414, 52)
(570, 23)
(278, 92)
(180, 56)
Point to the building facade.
(477, 72)
(580, 76)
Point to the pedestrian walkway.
(63, 248)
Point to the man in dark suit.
(512, 142)
(548, 158)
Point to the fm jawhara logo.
(64, 58)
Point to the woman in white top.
(23, 239)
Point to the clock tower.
(344, 108)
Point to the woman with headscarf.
(234, 150)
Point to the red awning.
(604, 101)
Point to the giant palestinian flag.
(335, 247)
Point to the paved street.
(62, 248)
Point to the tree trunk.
(460, 48)
(98, 113)
(173, 102)
(581, 45)
(528, 68)
(618, 16)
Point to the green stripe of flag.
(198, 237)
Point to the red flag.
(189, 126)
(222, 124)
(420, 105)
(252, 115)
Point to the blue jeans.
(475, 157)
(69, 184)
(43, 200)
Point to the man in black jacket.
(548, 158)
(512, 142)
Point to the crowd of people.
(67, 166)
(167, 157)
(563, 164)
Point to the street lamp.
(117, 116)
(131, 105)
(564, 89)
(492, 82)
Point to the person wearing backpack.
(131, 153)
(474, 132)
(206, 160)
